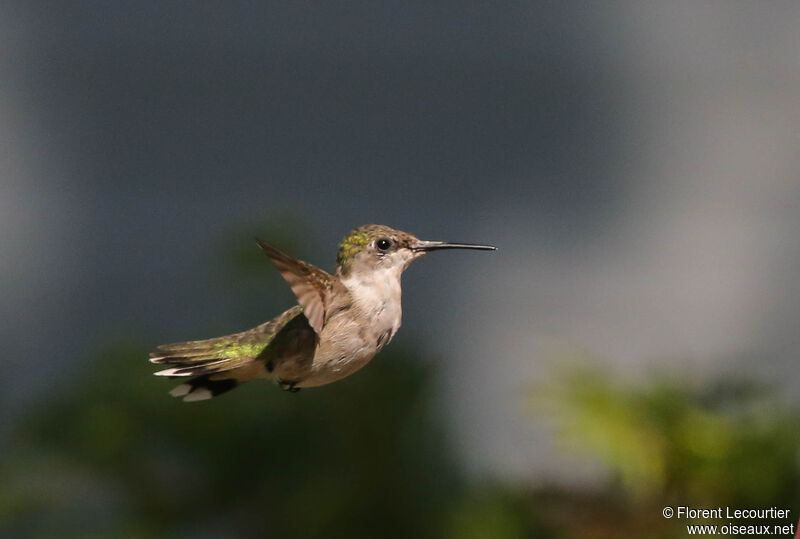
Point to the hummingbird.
(340, 322)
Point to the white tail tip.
(181, 390)
(172, 372)
(199, 394)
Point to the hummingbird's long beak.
(425, 246)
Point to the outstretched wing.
(308, 282)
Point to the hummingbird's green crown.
(360, 238)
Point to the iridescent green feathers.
(354, 242)
(211, 356)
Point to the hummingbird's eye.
(383, 244)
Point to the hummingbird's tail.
(223, 363)
(215, 365)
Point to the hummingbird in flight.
(340, 322)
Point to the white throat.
(377, 294)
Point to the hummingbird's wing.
(308, 282)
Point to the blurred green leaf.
(672, 440)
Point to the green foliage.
(676, 441)
(112, 455)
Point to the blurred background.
(631, 345)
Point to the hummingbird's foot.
(288, 386)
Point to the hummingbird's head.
(372, 247)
